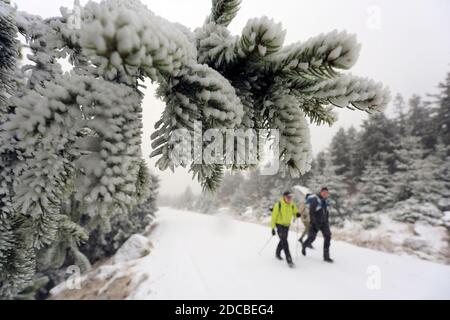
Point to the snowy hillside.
(197, 256)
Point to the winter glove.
(273, 232)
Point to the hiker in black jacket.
(318, 212)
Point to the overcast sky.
(405, 44)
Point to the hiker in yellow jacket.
(283, 213)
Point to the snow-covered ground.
(198, 256)
(419, 239)
(195, 256)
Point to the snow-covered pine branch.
(124, 40)
(295, 147)
(45, 43)
(347, 91)
(261, 37)
(203, 95)
(8, 52)
(215, 45)
(318, 57)
(224, 11)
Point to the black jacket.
(320, 216)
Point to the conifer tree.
(421, 123)
(340, 149)
(375, 189)
(377, 139)
(401, 114)
(443, 111)
(409, 158)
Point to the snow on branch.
(318, 56)
(8, 51)
(201, 94)
(124, 38)
(347, 91)
(295, 147)
(261, 37)
(319, 112)
(224, 11)
(215, 45)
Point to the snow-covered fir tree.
(16, 257)
(352, 141)
(401, 113)
(77, 141)
(433, 176)
(375, 189)
(376, 140)
(409, 158)
(443, 111)
(421, 173)
(421, 122)
(340, 149)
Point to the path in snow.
(208, 257)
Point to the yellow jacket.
(283, 213)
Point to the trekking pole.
(265, 245)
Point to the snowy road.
(208, 257)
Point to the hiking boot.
(291, 264)
(303, 249)
(279, 257)
(326, 257)
(310, 246)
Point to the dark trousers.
(283, 244)
(326, 232)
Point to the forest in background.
(397, 162)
